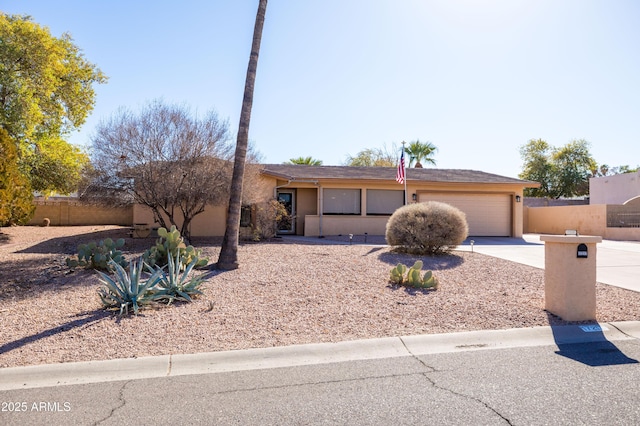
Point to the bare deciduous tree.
(165, 158)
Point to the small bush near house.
(268, 217)
(426, 228)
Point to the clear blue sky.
(476, 78)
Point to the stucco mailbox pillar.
(570, 276)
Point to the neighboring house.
(332, 200)
(613, 211)
(615, 189)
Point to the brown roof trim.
(303, 172)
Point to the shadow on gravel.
(41, 267)
(410, 291)
(4, 238)
(436, 263)
(86, 318)
(29, 278)
(69, 245)
(590, 346)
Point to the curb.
(38, 376)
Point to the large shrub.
(16, 197)
(427, 228)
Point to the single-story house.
(333, 200)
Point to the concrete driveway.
(617, 262)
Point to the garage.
(488, 215)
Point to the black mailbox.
(582, 250)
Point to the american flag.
(400, 173)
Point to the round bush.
(427, 228)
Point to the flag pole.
(406, 201)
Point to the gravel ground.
(285, 292)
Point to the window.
(341, 201)
(245, 216)
(384, 201)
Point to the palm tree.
(419, 151)
(228, 258)
(307, 161)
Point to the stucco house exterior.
(615, 189)
(332, 200)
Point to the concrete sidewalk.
(617, 262)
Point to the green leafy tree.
(374, 157)
(419, 151)
(307, 161)
(561, 172)
(46, 92)
(573, 164)
(536, 155)
(605, 170)
(228, 258)
(16, 198)
(618, 170)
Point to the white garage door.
(488, 215)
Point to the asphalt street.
(542, 376)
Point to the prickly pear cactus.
(413, 278)
(170, 243)
(397, 274)
(429, 280)
(413, 275)
(97, 255)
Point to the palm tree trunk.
(228, 258)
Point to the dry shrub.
(427, 228)
(266, 219)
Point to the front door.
(287, 225)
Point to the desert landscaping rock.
(283, 293)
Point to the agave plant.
(175, 283)
(128, 289)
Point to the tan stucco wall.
(587, 220)
(306, 202)
(616, 189)
(212, 222)
(335, 225)
(569, 281)
(73, 213)
(622, 234)
(375, 225)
